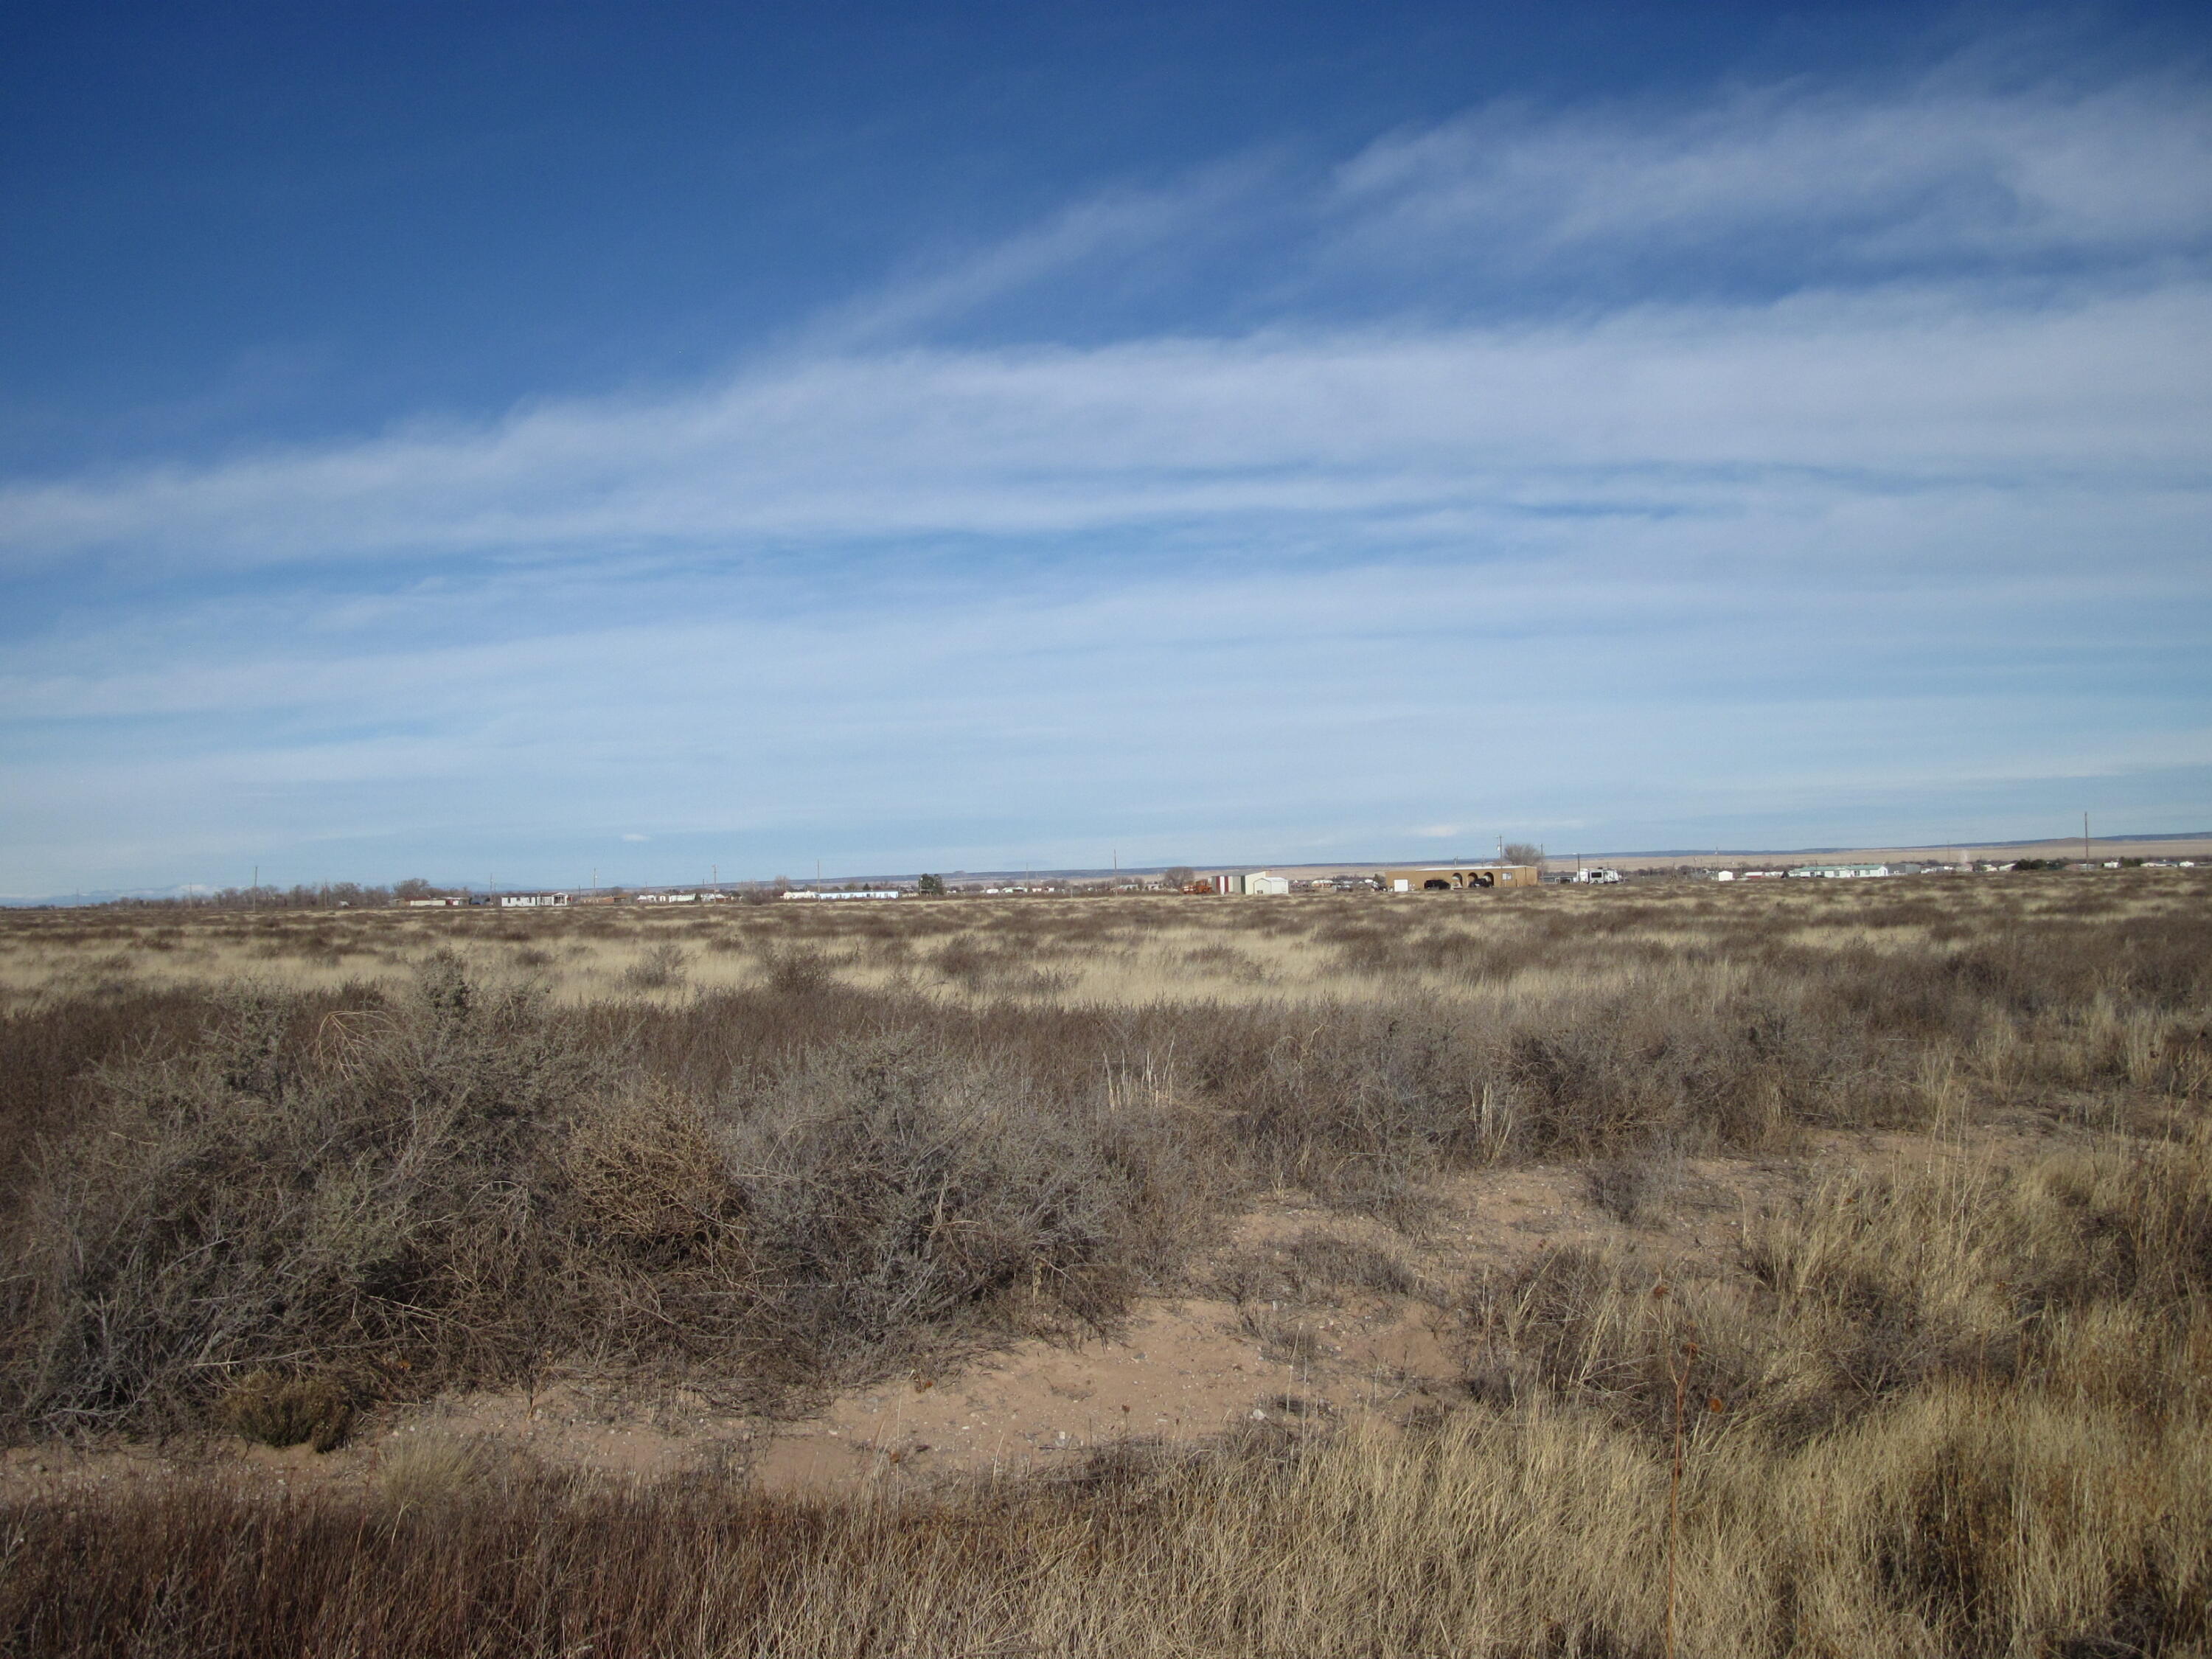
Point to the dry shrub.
(51, 1055)
(1637, 1185)
(1285, 1335)
(1361, 1105)
(1321, 1260)
(276, 1408)
(1703, 1065)
(368, 1197)
(460, 1190)
(1006, 967)
(1356, 1103)
(644, 1173)
(1318, 1266)
(663, 967)
(1357, 1108)
(1226, 961)
(798, 973)
(900, 1190)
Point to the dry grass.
(1965, 1273)
(1963, 1522)
(1955, 1405)
(1118, 953)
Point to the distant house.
(530, 901)
(1839, 871)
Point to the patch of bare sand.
(1183, 1369)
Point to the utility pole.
(2085, 838)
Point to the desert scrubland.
(1805, 1268)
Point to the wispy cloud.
(1652, 410)
(1167, 229)
(1933, 281)
(1799, 185)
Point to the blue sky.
(516, 442)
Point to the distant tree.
(1523, 852)
(413, 888)
(1180, 876)
(931, 886)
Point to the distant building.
(864, 893)
(1256, 881)
(1839, 871)
(1460, 879)
(530, 901)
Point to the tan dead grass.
(1124, 952)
